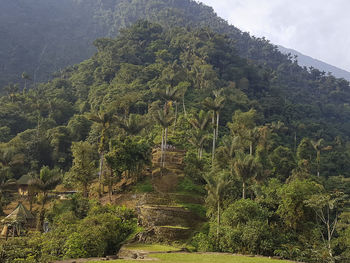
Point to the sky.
(317, 28)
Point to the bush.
(245, 229)
(22, 249)
(98, 236)
(101, 232)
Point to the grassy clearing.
(203, 258)
(151, 247)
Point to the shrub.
(245, 229)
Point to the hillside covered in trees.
(266, 141)
(42, 37)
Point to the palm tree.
(182, 89)
(170, 94)
(217, 184)
(245, 168)
(134, 124)
(26, 77)
(215, 105)
(44, 183)
(317, 145)
(105, 119)
(199, 123)
(230, 145)
(165, 119)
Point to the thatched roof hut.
(20, 215)
(23, 184)
(15, 222)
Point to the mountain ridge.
(308, 61)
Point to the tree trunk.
(165, 145)
(214, 136)
(100, 174)
(41, 218)
(243, 190)
(183, 105)
(86, 192)
(110, 189)
(217, 125)
(218, 224)
(175, 114)
(329, 237)
(162, 148)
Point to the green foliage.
(196, 209)
(202, 242)
(188, 186)
(83, 171)
(101, 231)
(283, 162)
(97, 235)
(128, 154)
(144, 187)
(194, 167)
(292, 209)
(153, 77)
(245, 229)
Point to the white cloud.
(317, 28)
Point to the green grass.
(151, 247)
(187, 186)
(144, 186)
(176, 227)
(203, 258)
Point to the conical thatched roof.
(24, 180)
(19, 215)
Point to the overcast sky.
(317, 28)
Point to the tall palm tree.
(200, 123)
(245, 168)
(317, 145)
(217, 184)
(105, 119)
(25, 76)
(215, 105)
(44, 183)
(133, 125)
(165, 119)
(170, 95)
(182, 89)
(230, 145)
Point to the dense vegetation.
(79, 229)
(267, 139)
(39, 37)
(277, 159)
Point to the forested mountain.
(41, 37)
(266, 141)
(307, 61)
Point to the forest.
(266, 141)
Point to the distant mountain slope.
(307, 61)
(44, 36)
